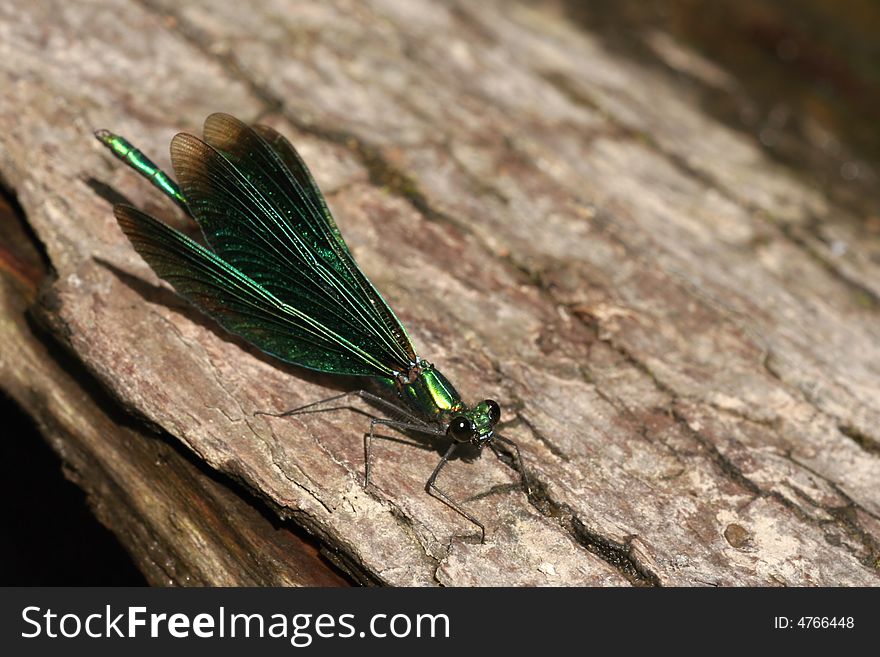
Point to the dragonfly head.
(475, 425)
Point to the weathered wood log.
(688, 362)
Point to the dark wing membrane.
(302, 178)
(238, 303)
(273, 156)
(272, 224)
(296, 168)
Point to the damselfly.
(279, 275)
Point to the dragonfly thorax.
(430, 394)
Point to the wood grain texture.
(688, 361)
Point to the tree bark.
(686, 356)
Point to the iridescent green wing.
(323, 220)
(217, 131)
(240, 304)
(262, 213)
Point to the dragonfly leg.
(368, 439)
(433, 491)
(363, 394)
(519, 461)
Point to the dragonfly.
(277, 273)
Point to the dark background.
(50, 536)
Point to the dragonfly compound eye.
(461, 430)
(494, 411)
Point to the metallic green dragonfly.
(279, 275)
